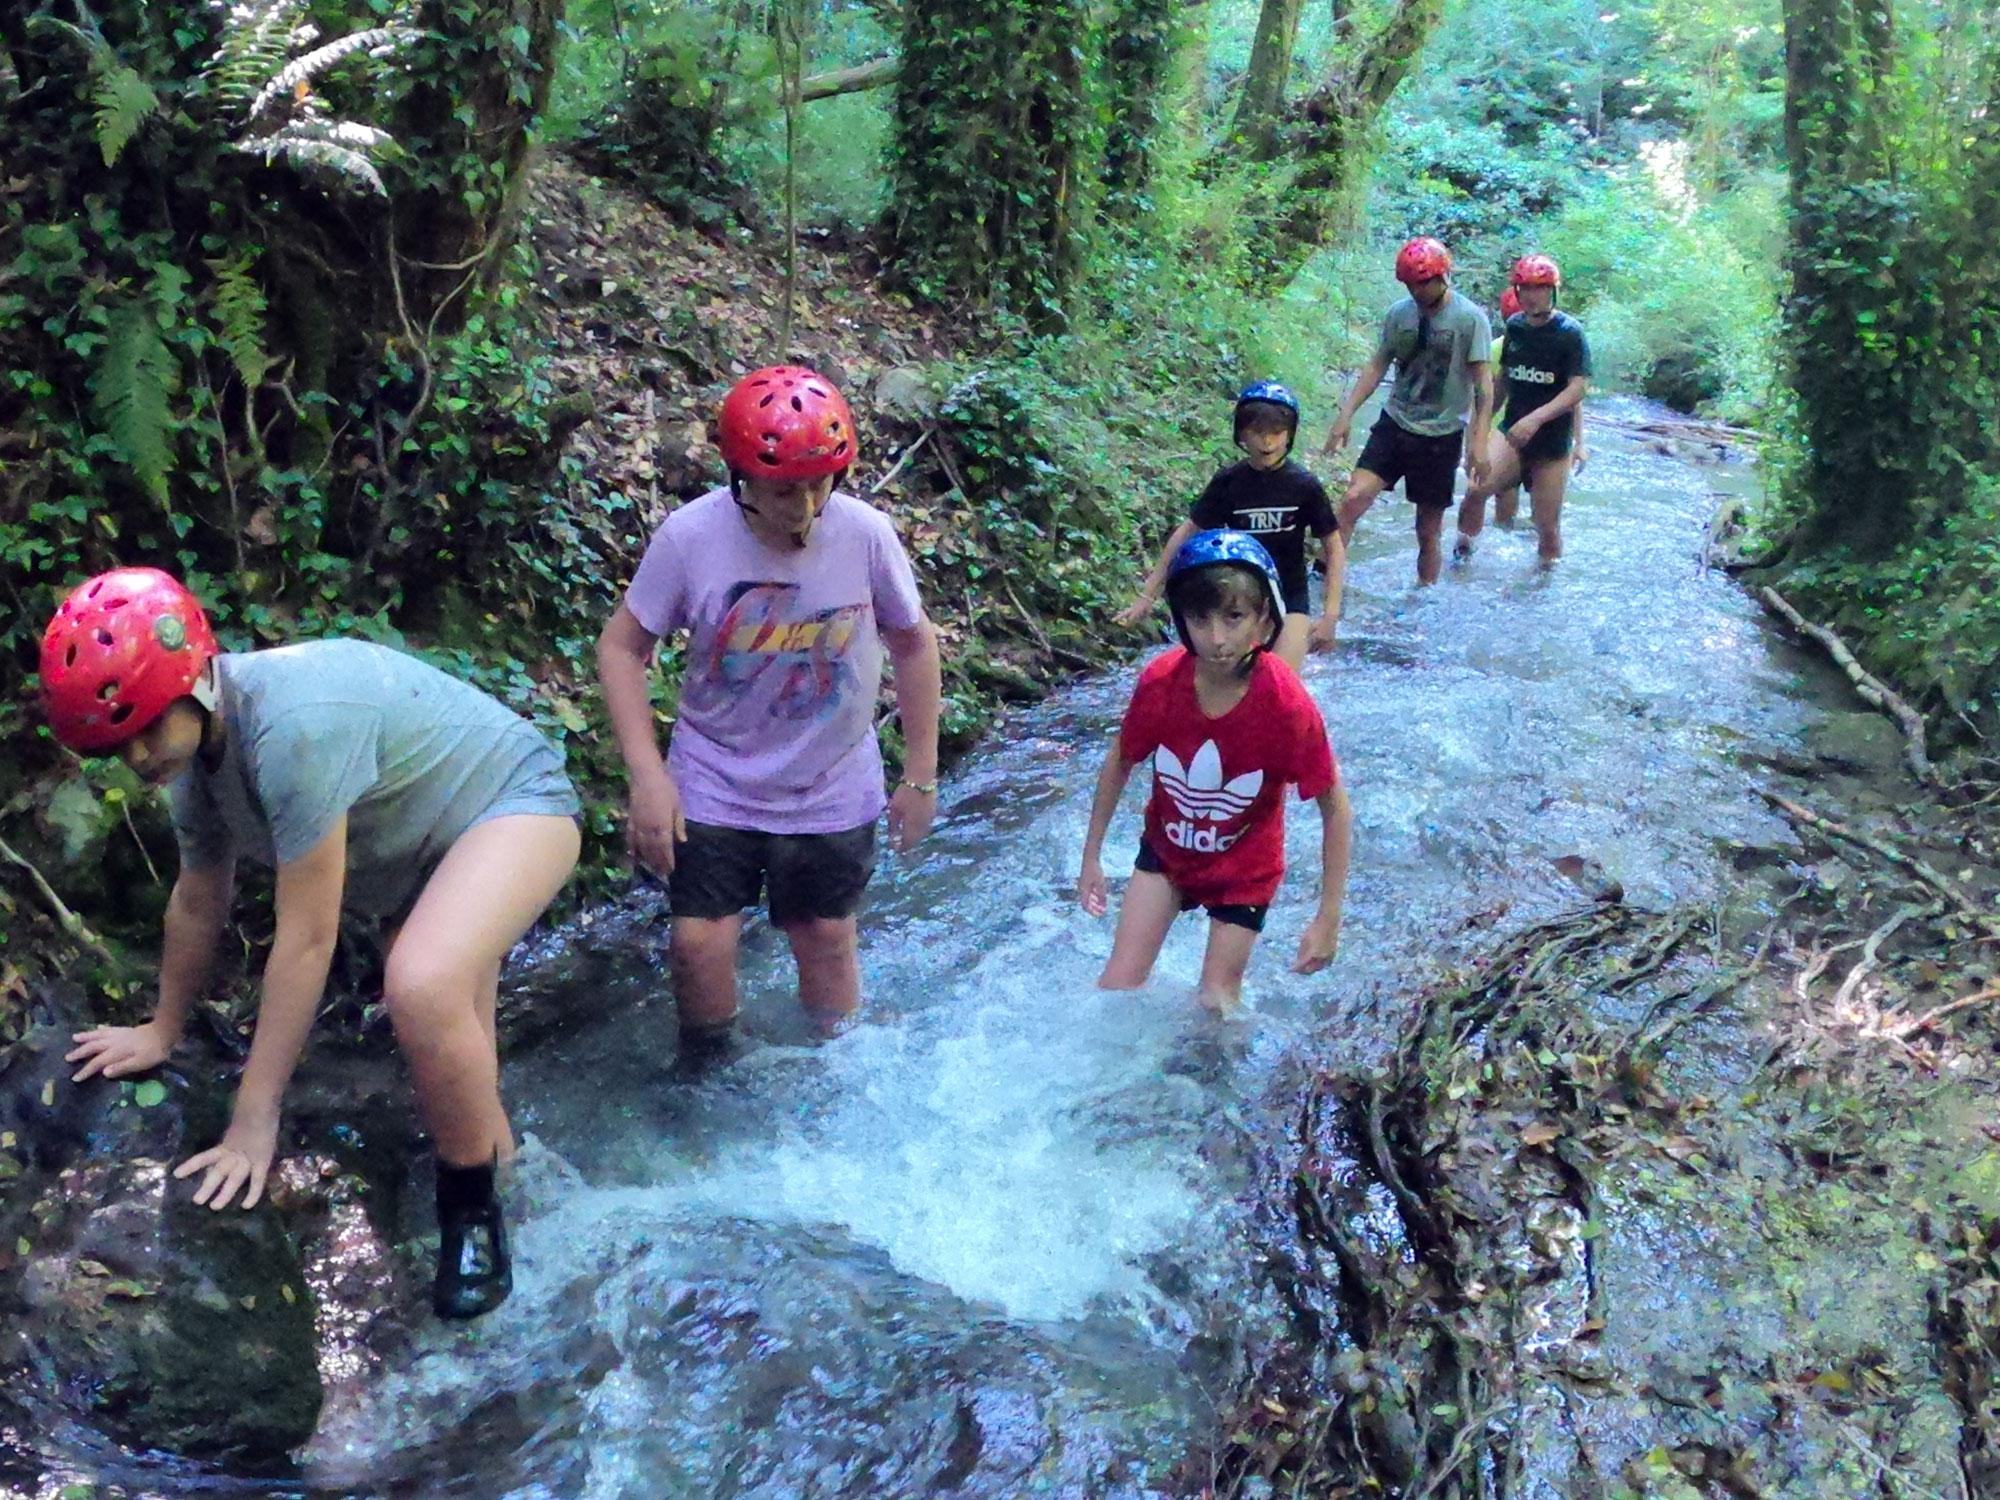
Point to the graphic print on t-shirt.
(1274, 518)
(1205, 798)
(764, 632)
(1428, 366)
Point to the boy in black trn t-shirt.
(1280, 503)
(1545, 360)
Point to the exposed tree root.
(1411, 1368)
(1869, 688)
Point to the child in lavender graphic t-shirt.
(789, 595)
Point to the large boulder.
(166, 1325)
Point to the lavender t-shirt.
(784, 663)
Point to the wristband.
(924, 788)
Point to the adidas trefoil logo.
(1201, 795)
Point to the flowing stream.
(994, 1241)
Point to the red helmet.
(785, 422)
(1420, 260)
(123, 646)
(1510, 303)
(1537, 270)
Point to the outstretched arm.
(1364, 387)
(1333, 556)
(196, 913)
(1149, 591)
(919, 691)
(1321, 939)
(1111, 779)
(308, 901)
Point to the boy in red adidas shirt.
(1227, 728)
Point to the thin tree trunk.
(1263, 96)
(1329, 142)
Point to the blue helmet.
(1226, 549)
(1267, 393)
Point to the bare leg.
(1506, 506)
(1361, 492)
(1546, 488)
(1430, 556)
(1503, 472)
(1150, 906)
(828, 953)
(1223, 964)
(443, 972)
(1292, 640)
(702, 955)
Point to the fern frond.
(304, 69)
(258, 37)
(300, 151)
(132, 389)
(240, 309)
(124, 101)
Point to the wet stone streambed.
(1489, 1208)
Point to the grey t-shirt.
(1436, 356)
(411, 755)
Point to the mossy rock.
(169, 1325)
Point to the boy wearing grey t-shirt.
(1440, 344)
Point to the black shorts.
(720, 871)
(1251, 917)
(1552, 442)
(1425, 465)
(1298, 597)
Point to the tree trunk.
(1139, 57)
(487, 71)
(1263, 96)
(995, 125)
(1328, 140)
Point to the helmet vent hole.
(104, 637)
(769, 397)
(797, 404)
(118, 603)
(106, 691)
(770, 459)
(121, 713)
(69, 657)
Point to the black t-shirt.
(1278, 507)
(1539, 363)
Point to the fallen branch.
(1926, 874)
(1693, 427)
(1871, 689)
(66, 919)
(870, 75)
(897, 467)
(1930, 1018)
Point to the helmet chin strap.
(203, 689)
(797, 538)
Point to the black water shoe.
(704, 1048)
(474, 1273)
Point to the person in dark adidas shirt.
(1278, 501)
(1545, 360)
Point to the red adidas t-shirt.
(1216, 819)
